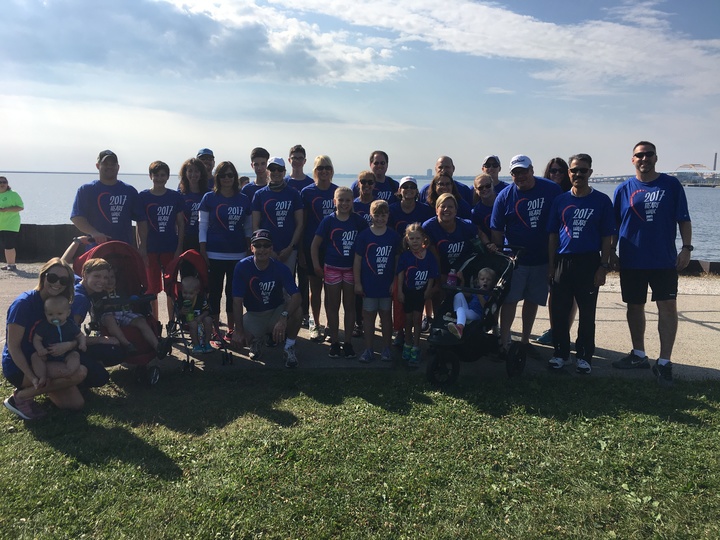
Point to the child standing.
(57, 328)
(417, 271)
(472, 310)
(376, 253)
(338, 232)
(195, 312)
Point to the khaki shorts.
(259, 323)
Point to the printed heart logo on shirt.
(148, 211)
(219, 217)
(337, 245)
(632, 203)
(101, 203)
(252, 290)
(517, 212)
(565, 225)
(267, 214)
(367, 257)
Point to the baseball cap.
(408, 180)
(280, 162)
(205, 152)
(520, 162)
(261, 234)
(488, 158)
(104, 154)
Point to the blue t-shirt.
(465, 192)
(417, 271)
(399, 220)
(262, 290)
(581, 222)
(250, 189)
(318, 203)
(453, 248)
(500, 186)
(109, 209)
(339, 238)
(192, 206)
(481, 217)
(387, 191)
(26, 310)
(378, 254)
(299, 184)
(522, 216)
(647, 214)
(277, 213)
(161, 213)
(226, 227)
(362, 209)
(81, 303)
(52, 335)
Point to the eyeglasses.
(366, 182)
(491, 165)
(640, 155)
(54, 278)
(262, 245)
(276, 169)
(408, 186)
(484, 186)
(556, 170)
(443, 184)
(323, 168)
(579, 170)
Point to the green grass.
(358, 454)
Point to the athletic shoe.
(631, 361)
(399, 339)
(217, 340)
(663, 374)
(546, 338)
(358, 331)
(407, 352)
(348, 350)
(26, 409)
(270, 342)
(255, 349)
(291, 360)
(367, 356)
(227, 338)
(426, 324)
(386, 355)
(9, 267)
(335, 350)
(305, 322)
(207, 348)
(558, 363)
(198, 349)
(414, 358)
(456, 329)
(583, 366)
(316, 333)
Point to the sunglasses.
(579, 170)
(54, 278)
(323, 168)
(276, 169)
(262, 245)
(484, 186)
(491, 165)
(641, 155)
(555, 170)
(366, 182)
(227, 175)
(409, 186)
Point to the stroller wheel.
(443, 368)
(185, 365)
(515, 360)
(192, 366)
(153, 375)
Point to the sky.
(160, 79)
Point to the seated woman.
(56, 279)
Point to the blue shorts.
(529, 283)
(377, 304)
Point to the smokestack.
(715, 163)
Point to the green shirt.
(10, 221)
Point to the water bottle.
(452, 278)
(187, 305)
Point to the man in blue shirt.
(649, 209)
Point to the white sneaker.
(558, 363)
(291, 360)
(315, 333)
(255, 349)
(583, 366)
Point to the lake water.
(48, 200)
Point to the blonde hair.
(379, 207)
(415, 228)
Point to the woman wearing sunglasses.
(486, 195)
(56, 279)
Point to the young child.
(376, 253)
(338, 232)
(195, 312)
(417, 271)
(57, 328)
(122, 315)
(472, 310)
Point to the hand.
(101, 238)
(359, 289)
(58, 349)
(600, 275)
(683, 259)
(82, 346)
(279, 330)
(319, 272)
(492, 248)
(614, 262)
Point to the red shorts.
(335, 275)
(157, 264)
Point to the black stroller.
(478, 339)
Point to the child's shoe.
(456, 329)
(414, 357)
(367, 356)
(386, 355)
(198, 349)
(407, 351)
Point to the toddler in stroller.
(195, 312)
(472, 309)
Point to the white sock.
(663, 361)
(641, 354)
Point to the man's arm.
(683, 258)
(84, 226)
(553, 243)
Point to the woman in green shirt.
(10, 207)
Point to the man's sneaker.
(414, 360)
(9, 267)
(386, 355)
(198, 349)
(335, 350)
(24, 407)
(255, 349)
(425, 325)
(348, 351)
(399, 339)
(407, 352)
(631, 361)
(583, 366)
(663, 374)
(456, 329)
(358, 330)
(367, 356)
(270, 341)
(291, 360)
(316, 334)
(558, 363)
(546, 338)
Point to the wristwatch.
(285, 314)
(689, 247)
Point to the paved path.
(696, 354)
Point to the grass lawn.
(363, 454)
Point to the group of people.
(382, 248)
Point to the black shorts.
(9, 239)
(634, 285)
(414, 300)
(15, 378)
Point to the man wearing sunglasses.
(581, 229)
(649, 209)
(491, 166)
(265, 289)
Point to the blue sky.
(417, 78)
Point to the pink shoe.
(456, 329)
